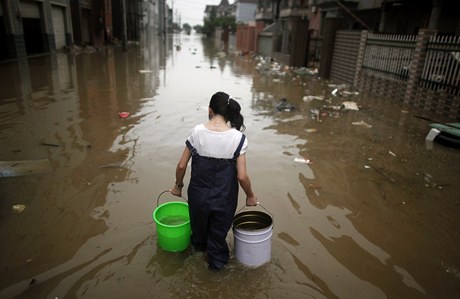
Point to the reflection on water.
(359, 211)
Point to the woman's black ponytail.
(234, 115)
(222, 104)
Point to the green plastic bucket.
(173, 225)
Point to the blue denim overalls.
(213, 198)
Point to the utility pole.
(165, 14)
(124, 38)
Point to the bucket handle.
(158, 199)
(258, 204)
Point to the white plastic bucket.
(252, 231)
(432, 134)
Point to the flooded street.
(362, 208)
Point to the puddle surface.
(361, 207)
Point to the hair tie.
(228, 100)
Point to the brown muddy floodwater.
(374, 214)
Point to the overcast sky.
(191, 11)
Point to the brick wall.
(384, 87)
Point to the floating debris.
(18, 208)
(311, 98)
(362, 123)
(302, 160)
(305, 71)
(294, 118)
(315, 188)
(314, 112)
(350, 93)
(333, 107)
(284, 105)
(123, 114)
(349, 105)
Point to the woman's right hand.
(176, 190)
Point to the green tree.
(187, 28)
(208, 28)
(198, 28)
(227, 22)
(211, 24)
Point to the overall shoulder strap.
(191, 148)
(238, 149)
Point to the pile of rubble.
(269, 66)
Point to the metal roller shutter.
(345, 55)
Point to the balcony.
(294, 12)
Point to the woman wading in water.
(218, 151)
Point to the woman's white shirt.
(216, 144)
